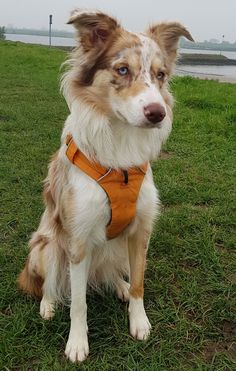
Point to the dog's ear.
(167, 35)
(94, 28)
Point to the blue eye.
(123, 71)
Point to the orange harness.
(121, 186)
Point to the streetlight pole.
(223, 36)
(50, 30)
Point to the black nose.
(154, 112)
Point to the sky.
(205, 19)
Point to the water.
(195, 70)
(198, 70)
(229, 71)
(44, 40)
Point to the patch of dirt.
(193, 316)
(228, 348)
(211, 348)
(187, 263)
(232, 278)
(228, 328)
(165, 155)
(221, 247)
(201, 205)
(171, 207)
(7, 311)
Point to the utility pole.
(50, 30)
(223, 36)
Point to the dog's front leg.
(77, 347)
(139, 323)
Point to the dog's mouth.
(151, 125)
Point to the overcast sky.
(205, 19)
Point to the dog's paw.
(122, 290)
(139, 324)
(77, 348)
(140, 327)
(47, 309)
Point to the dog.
(99, 194)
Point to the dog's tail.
(30, 282)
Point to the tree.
(2, 33)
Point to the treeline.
(209, 45)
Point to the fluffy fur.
(114, 77)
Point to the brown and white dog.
(116, 88)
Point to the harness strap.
(121, 186)
(95, 170)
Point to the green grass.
(190, 282)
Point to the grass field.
(191, 276)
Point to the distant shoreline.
(211, 46)
(55, 33)
(225, 47)
(206, 59)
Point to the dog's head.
(123, 74)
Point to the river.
(44, 40)
(196, 70)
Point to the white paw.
(47, 309)
(140, 327)
(77, 348)
(138, 322)
(122, 290)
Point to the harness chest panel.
(121, 186)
